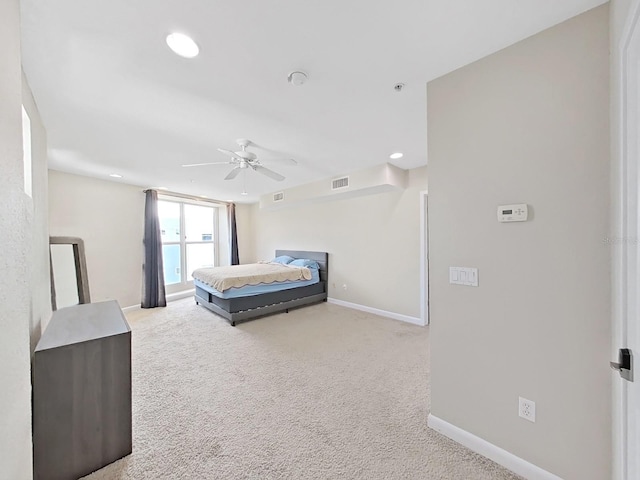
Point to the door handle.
(624, 364)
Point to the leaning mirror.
(69, 281)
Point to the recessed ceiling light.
(115, 175)
(396, 155)
(182, 45)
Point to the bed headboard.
(321, 257)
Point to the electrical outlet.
(344, 286)
(527, 409)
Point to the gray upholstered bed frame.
(240, 309)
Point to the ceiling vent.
(278, 197)
(339, 183)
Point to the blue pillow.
(305, 262)
(284, 259)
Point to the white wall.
(528, 124)
(109, 217)
(37, 212)
(245, 232)
(24, 291)
(373, 243)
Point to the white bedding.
(224, 278)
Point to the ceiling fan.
(243, 159)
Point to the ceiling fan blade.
(267, 172)
(228, 152)
(233, 173)
(285, 161)
(208, 163)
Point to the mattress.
(223, 278)
(250, 290)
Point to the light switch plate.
(463, 276)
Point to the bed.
(242, 304)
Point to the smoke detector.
(297, 78)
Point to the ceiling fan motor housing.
(248, 156)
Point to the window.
(189, 240)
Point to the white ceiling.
(115, 99)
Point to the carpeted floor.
(323, 392)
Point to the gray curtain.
(152, 270)
(233, 233)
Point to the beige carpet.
(323, 392)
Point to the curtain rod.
(188, 197)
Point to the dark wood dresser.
(81, 391)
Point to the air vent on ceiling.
(340, 183)
(278, 197)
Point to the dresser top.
(81, 323)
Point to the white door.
(626, 266)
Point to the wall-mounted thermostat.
(513, 213)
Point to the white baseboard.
(131, 308)
(489, 450)
(179, 295)
(170, 298)
(376, 311)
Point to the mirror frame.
(82, 280)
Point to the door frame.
(625, 266)
(424, 259)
